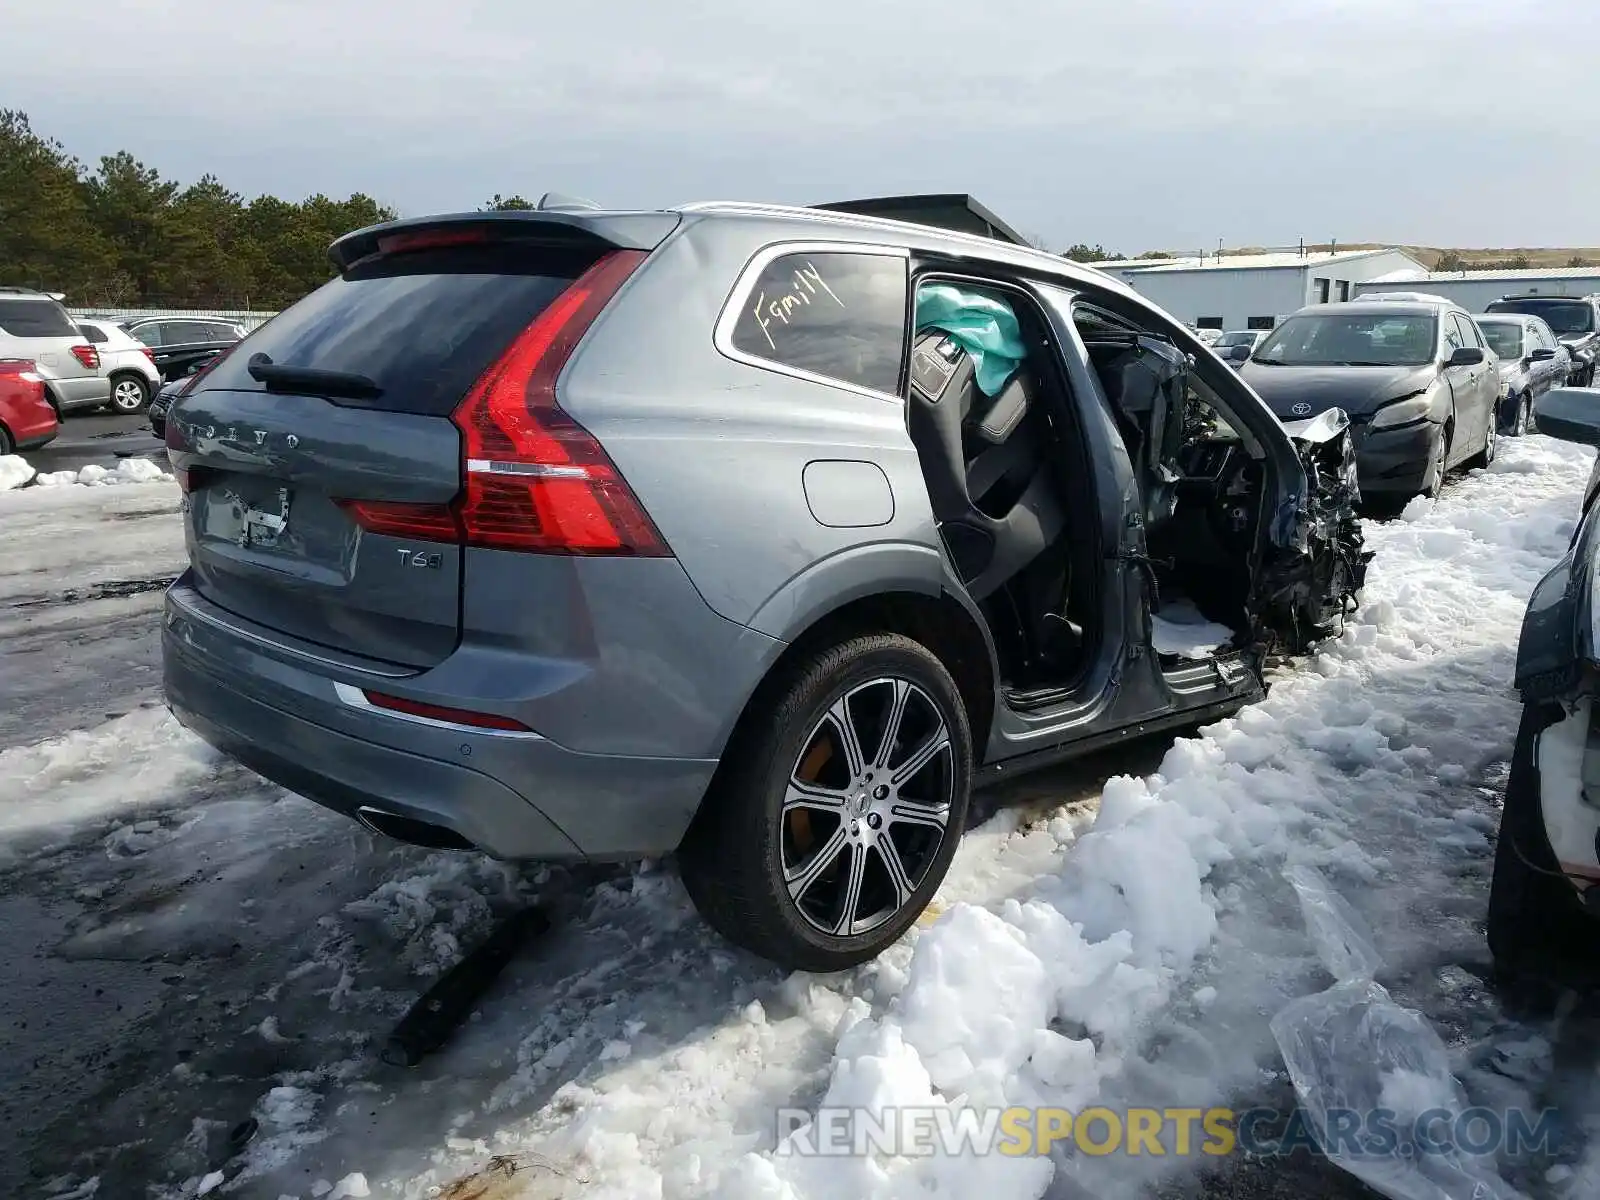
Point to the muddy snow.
(207, 965)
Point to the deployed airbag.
(982, 325)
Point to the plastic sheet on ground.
(1342, 940)
(1373, 1078)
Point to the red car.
(26, 419)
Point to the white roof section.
(1506, 273)
(1275, 260)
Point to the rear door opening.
(341, 459)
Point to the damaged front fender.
(1307, 587)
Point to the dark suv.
(1575, 320)
(181, 342)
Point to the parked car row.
(1427, 385)
(93, 364)
(1573, 320)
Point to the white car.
(128, 363)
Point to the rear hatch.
(326, 455)
(48, 336)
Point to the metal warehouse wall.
(1237, 294)
(1232, 294)
(1473, 294)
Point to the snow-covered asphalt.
(191, 948)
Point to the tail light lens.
(535, 480)
(436, 712)
(148, 353)
(87, 355)
(21, 368)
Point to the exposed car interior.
(992, 424)
(1201, 485)
(1014, 509)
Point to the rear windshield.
(1504, 337)
(35, 318)
(423, 326)
(1563, 316)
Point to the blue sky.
(1150, 123)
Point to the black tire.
(1491, 442)
(733, 859)
(8, 444)
(1522, 419)
(129, 394)
(1536, 926)
(1433, 484)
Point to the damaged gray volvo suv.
(755, 534)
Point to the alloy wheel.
(867, 807)
(1521, 426)
(127, 396)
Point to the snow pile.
(1181, 629)
(15, 471)
(134, 761)
(1045, 992)
(127, 470)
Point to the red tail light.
(436, 712)
(431, 239)
(87, 355)
(21, 368)
(535, 479)
(148, 353)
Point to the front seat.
(992, 493)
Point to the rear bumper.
(39, 438)
(1395, 461)
(514, 796)
(80, 392)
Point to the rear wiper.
(311, 381)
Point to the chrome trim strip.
(733, 308)
(354, 697)
(490, 466)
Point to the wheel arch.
(946, 625)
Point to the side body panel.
(718, 450)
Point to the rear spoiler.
(570, 229)
(955, 211)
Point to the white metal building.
(1255, 291)
(1474, 289)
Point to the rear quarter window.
(840, 316)
(423, 326)
(36, 318)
